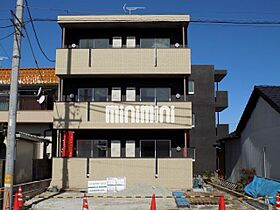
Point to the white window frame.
(193, 120)
(191, 83)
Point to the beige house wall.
(74, 115)
(173, 61)
(172, 173)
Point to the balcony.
(221, 100)
(135, 61)
(29, 110)
(122, 115)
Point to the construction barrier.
(7, 201)
(277, 204)
(157, 196)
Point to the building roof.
(30, 76)
(271, 94)
(29, 137)
(122, 18)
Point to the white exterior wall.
(262, 130)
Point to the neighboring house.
(32, 117)
(126, 102)
(29, 165)
(255, 143)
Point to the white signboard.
(116, 184)
(112, 184)
(98, 186)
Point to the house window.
(100, 94)
(155, 94)
(130, 94)
(155, 148)
(155, 43)
(85, 94)
(4, 101)
(193, 120)
(93, 43)
(116, 94)
(190, 87)
(92, 148)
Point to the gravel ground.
(122, 203)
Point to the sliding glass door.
(155, 148)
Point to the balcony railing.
(25, 103)
(123, 61)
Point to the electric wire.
(35, 33)
(7, 36)
(4, 50)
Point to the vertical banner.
(67, 144)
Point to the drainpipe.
(264, 161)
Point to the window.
(193, 120)
(116, 94)
(131, 42)
(147, 94)
(85, 94)
(4, 101)
(155, 43)
(191, 87)
(155, 94)
(93, 43)
(84, 148)
(100, 94)
(117, 42)
(155, 148)
(163, 94)
(92, 148)
(130, 94)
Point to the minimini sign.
(140, 114)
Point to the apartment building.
(33, 117)
(122, 107)
(131, 105)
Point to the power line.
(31, 48)
(4, 50)
(8, 26)
(7, 36)
(237, 22)
(35, 33)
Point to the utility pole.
(11, 136)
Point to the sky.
(249, 53)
